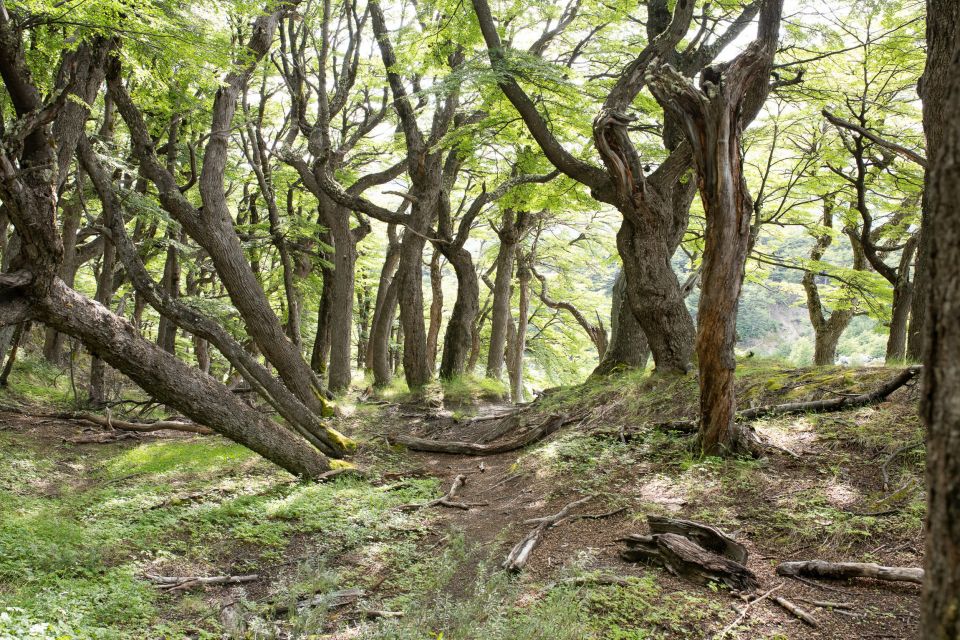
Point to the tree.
(33, 289)
(711, 115)
(941, 379)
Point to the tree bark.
(628, 347)
(512, 227)
(459, 335)
(436, 306)
(97, 394)
(320, 355)
(940, 400)
(519, 343)
(711, 117)
(943, 40)
(167, 330)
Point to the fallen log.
(517, 559)
(710, 538)
(803, 614)
(845, 570)
(182, 583)
(685, 558)
(528, 437)
(142, 427)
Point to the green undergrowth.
(462, 391)
(36, 381)
(830, 500)
(79, 528)
(461, 594)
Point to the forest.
(487, 319)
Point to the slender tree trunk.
(940, 401)
(628, 347)
(900, 314)
(363, 324)
(53, 340)
(475, 337)
(459, 336)
(380, 347)
(519, 345)
(19, 336)
(97, 391)
(511, 227)
(320, 355)
(436, 306)
(167, 330)
(381, 323)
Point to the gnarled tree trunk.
(711, 116)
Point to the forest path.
(813, 490)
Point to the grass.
(80, 526)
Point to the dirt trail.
(517, 493)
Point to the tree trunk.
(899, 315)
(711, 120)
(628, 345)
(459, 336)
(378, 353)
(363, 324)
(171, 381)
(341, 298)
(943, 41)
(409, 282)
(436, 306)
(167, 330)
(97, 395)
(53, 340)
(653, 293)
(827, 329)
(320, 355)
(519, 342)
(511, 227)
(941, 372)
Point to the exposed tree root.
(542, 430)
(447, 500)
(517, 559)
(115, 423)
(141, 427)
(750, 444)
(844, 570)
